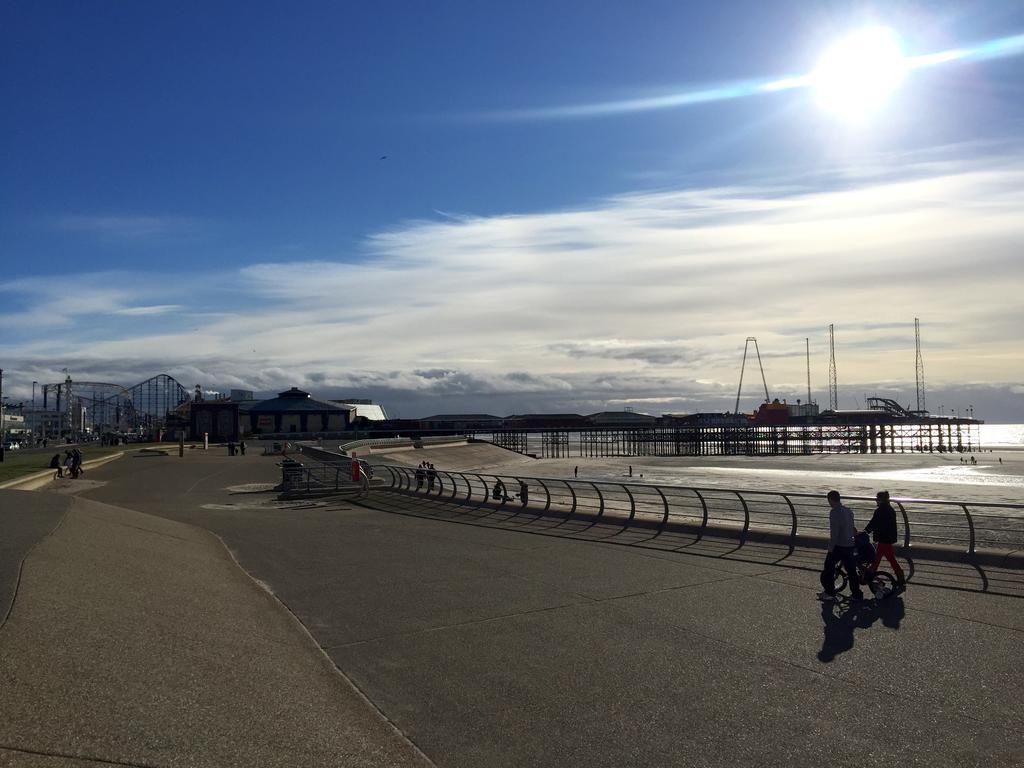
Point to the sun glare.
(857, 75)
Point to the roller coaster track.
(115, 407)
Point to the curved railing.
(968, 526)
(317, 478)
(400, 442)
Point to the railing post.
(632, 503)
(547, 493)
(572, 490)
(704, 506)
(792, 511)
(600, 496)
(664, 502)
(906, 525)
(970, 524)
(746, 516)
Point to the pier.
(924, 436)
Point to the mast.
(743, 366)
(833, 385)
(919, 366)
(807, 341)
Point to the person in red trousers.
(883, 530)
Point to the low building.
(364, 409)
(45, 422)
(214, 419)
(704, 419)
(295, 412)
(462, 422)
(621, 419)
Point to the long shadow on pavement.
(961, 577)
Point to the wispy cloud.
(131, 227)
(153, 309)
(645, 296)
(739, 89)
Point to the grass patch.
(21, 463)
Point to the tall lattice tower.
(833, 386)
(920, 366)
(807, 342)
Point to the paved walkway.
(485, 639)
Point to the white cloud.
(632, 298)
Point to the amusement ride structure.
(104, 407)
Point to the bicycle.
(881, 584)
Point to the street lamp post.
(2, 422)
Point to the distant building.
(462, 422)
(242, 395)
(216, 419)
(802, 411)
(295, 412)
(44, 422)
(621, 419)
(546, 421)
(705, 419)
(364, 409)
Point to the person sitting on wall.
(55, 464)
(499, 491)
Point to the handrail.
(970, 525)
(399, 442)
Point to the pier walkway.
(429, 636)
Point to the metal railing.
(312, 477)
(968, 526)
(400, 442)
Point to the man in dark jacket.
(883, 530)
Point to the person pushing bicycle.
(883, 530)
(841, 549)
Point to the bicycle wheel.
(882, 583)
(841, 578)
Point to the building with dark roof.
(295, 411)
(462, 421)
(621, 419)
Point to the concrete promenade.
(458, 637)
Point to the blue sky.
(198, 188)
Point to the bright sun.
(858, 74)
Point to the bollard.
(206, 441)
(181, 444)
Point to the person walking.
(431, 477)
(883, 530)
(421, 475)
(841, 549)
(241, 447)
(576, 471)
